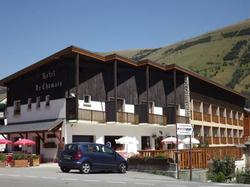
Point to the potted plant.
(2, 160)
(20, 160)
(34, 160)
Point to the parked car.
(87, 157)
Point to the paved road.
(51, 176)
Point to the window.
(87, 99)
(37, 102)
(17, 107)
(29, 103)
(145, 142)
(47, 100)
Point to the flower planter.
(35, 162)
(2, 164)
(20, 163)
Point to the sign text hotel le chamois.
(47, 83)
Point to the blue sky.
(32, 30)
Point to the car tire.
(122, 168)
(86, 167)
(65, 170)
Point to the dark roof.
(76, 50)
(30, 127)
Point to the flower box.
(20, 163)
(35, 161)
(2, 164)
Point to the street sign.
(184, 129)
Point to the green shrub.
(2, 157)
(20, 156)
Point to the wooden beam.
(57, 136)
(147, 82)
(115, 87)
(3, 135)
(21, 135)
(42, 138)
(77, 82)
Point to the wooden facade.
(74, 73)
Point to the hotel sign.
(184, 129)
(48, 81)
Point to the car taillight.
(78, 155)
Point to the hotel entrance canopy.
(31, 127)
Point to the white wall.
(114, 129)
(57, 109)
(100, 106)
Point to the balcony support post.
(115, 88)
(77, 83)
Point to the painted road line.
(48, 177)
(31, 176)
(145, 184)
(89, 180)
(117, 182)
(69, 179)
(176, 185)
(13, 175)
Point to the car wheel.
(65, 170)
(85, 168)
(122, 168)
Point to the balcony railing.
(229, 121)
(236, 140)
(125, 117)
(216, 140)
(207, 117)
(215, 118)
(223, 140)
(157, 119)
(242, 140)
(222, 120)
(208, 140)
(182, 119)
(197, 116)
(91, 115)
(229, 140)
(240, 122)
(235, 122)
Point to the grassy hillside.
(222, 55)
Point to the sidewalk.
(47, 165)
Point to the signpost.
(186, 129)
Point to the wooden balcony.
(241, 123)
(91, 115)
(197, 116)
(229, 140)
(157, 119)
(222, 120)
(236, 140)
(215, 118)
(208, 140)
(223, 140)
(235, 122)
(182, 119)
(99, 116)
(125, 117)
(229, 121)
(207, 117)
(242, 140)
(216, 140)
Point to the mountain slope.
(222, 55)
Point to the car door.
(109, 158)
(96, 157)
